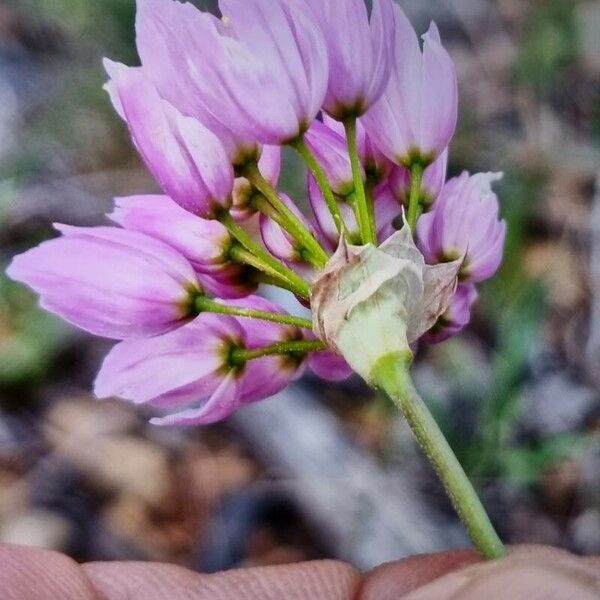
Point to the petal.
(439, 109)
(329, 366)
(146, 370)
(221, 403)
(109, 282)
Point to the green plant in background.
(549, 45)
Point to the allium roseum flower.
(389, 256)
(370, 113)
(331, 150)
(415, 118)
(186, 159)
(192, 373)
(358, 70)
(110, 282)
(465, 223)
(205, 243)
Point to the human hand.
(527, 573)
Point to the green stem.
(366, 224)
(416, 177)
(242, 355)
(370, 194)
(262, 277)
(321, 178)
(391, 373)
(285, 217)
(266, 260)
(204, 304)
(240, 255)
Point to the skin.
(529, 572)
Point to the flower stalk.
(321, 178)
(284, 216)
(392, 375)
(414, 201)
(364, 216)
(294, 347)
(204, 304)
(266, 260)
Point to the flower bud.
(465, 221)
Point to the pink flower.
(456, 317)
(186, 159)
(261, 72)
(433, 180)
(331, 151)
(465, 222)
(109, 281)
(190, 374)
(415, 118)
(361, 53)
(329, 365)
(204, 243)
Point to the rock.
(40, 528)
(585, 532)
(556, 404)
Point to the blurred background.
(321, 470)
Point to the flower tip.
(433, 33)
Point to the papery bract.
(188, 373)
(465, 221)
(205, 243)
(416, 116)
(360, 51)
(187, 160)
(366, 289)
(109, 281)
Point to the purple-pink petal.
(465, 221)
(108, 281)
(187, 160)
(456, 317)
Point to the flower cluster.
(369, 109)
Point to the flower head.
(371, 114)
